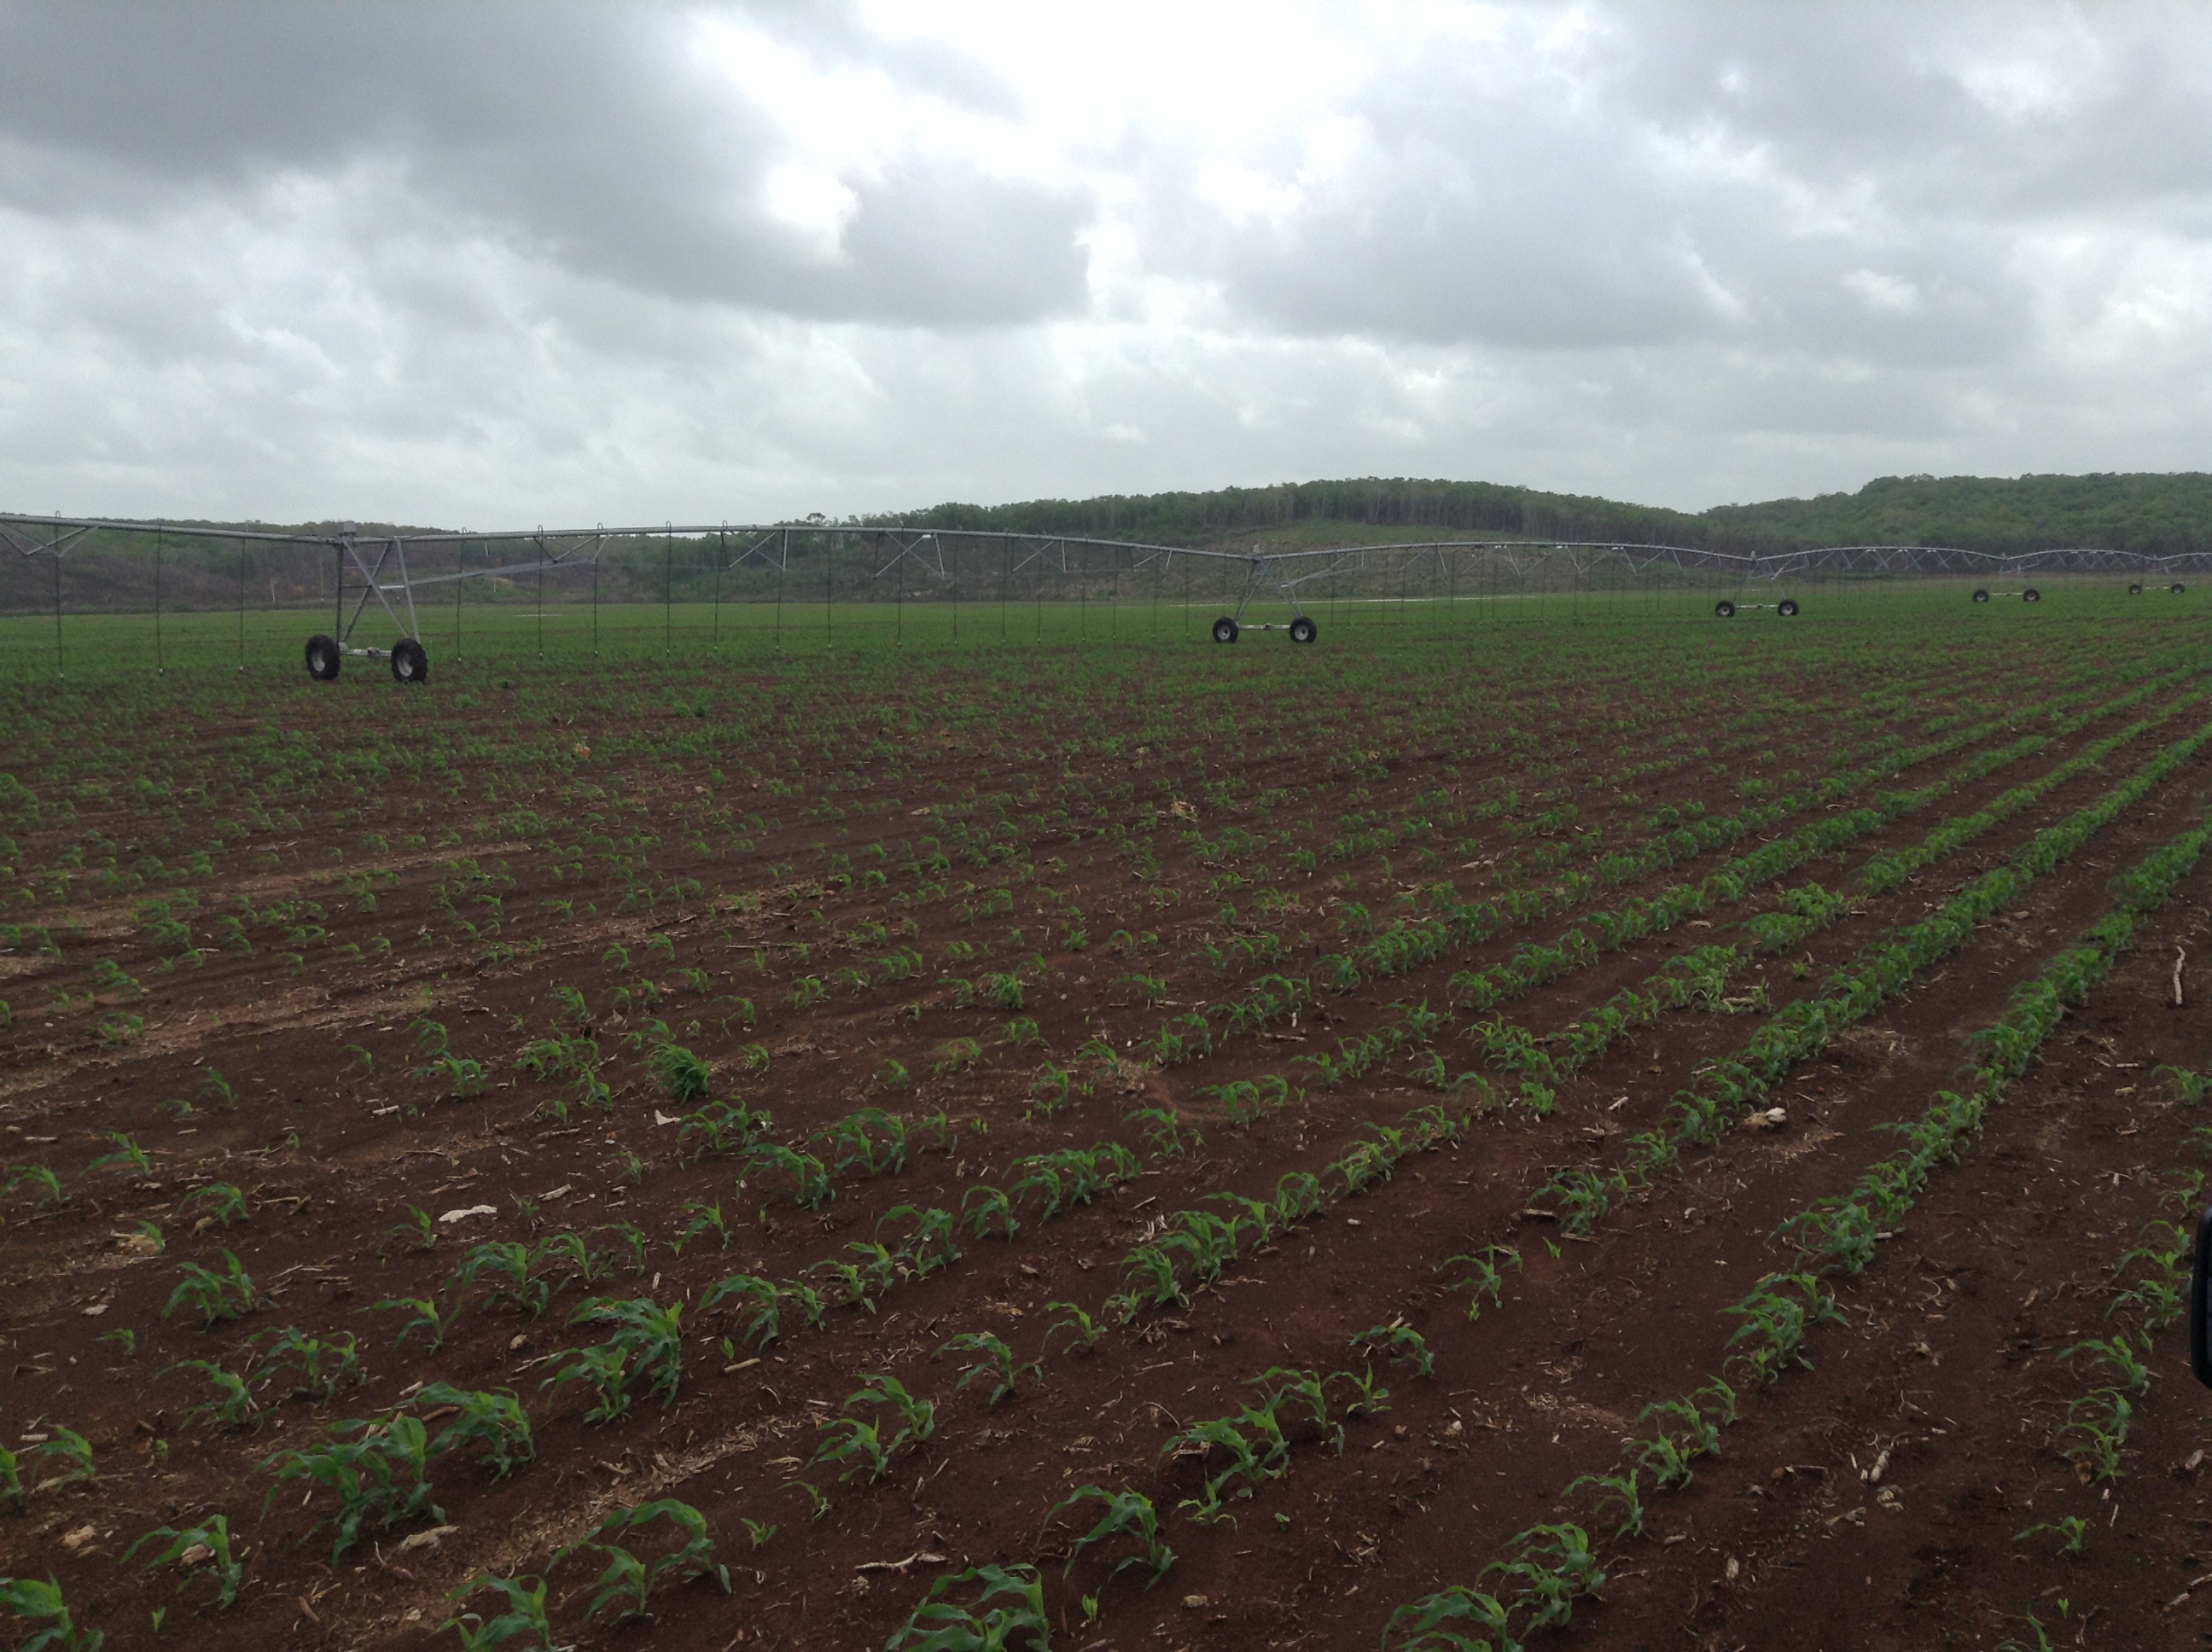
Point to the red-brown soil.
(1125, 810)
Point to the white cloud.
(602, 262)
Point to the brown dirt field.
(817, 874)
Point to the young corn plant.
(940, 1624)
(1083, 1332)
(2095, 1430)
(233, 1406)
(2118, 1354)
(217, 1205)
(214, 1297)
(988, 1210)
(810, 1178)
(493, 1419)
(203, 1551)
(318, 1368)
(503, 1266)
(42, 1182)
(703, 1219)
(930, 1245)
(128, 1157)
(1128, 1514)
(1775, 1323)
(1401, 1345)
(421, 1315)
(759, 1305)
(525, 1619)
(996, 1363)
(377, 1468)
(628, 1582)
(1483, 1275)
(723, 1130)
(1554, 1567)
(647, 1347)
(1620, 1492)
(682, 1076)
(900, 1418)
(44, 1605)
(73, 1452)
(1432, 1624)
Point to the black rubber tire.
(2176, 588)
(1981, 596)
(1787, 608)
(2031, 595)
(1723, 609)
(2135, 591)
(1225, 629)
(409, 664)
(323, 659)
(1304, 630)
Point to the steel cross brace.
(372, 584)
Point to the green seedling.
(930, 1247)
(1368, 1398)
(759, 1301)
(422, 1316)
(989, 1210)
(73, 1452)
(43, 1605)
(1483, 1275)
(871, 1445)
(217, 1205)
(1421, 1625)
(1128, 1514)
(2119, 1353)
(493, 1419)
(203, 1551)
(1400, 1344)
(704, 1218)
(2095, 1430)
(127, 1156)
(2071, 1531)
(682, 1076)
(229, 1295)
(503, 1266)
(525, 1615)
(810, 1185)
(723, 1130)
(569, 1255)
(939, 1625)
(42, 1182)
(628, 1582)
(319, 1368)
(1083, 1332)
(1620, 1492)
(377, 1469)
(1554, 1567)
(233, 1406)
(420, 1232)
(647, 1347)
(996, 1364)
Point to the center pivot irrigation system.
(388, 567)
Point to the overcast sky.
(488, 265)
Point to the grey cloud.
(588, 132)
(502, 263)
(1755, 176)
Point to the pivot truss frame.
(375, 567)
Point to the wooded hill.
(2158, 513)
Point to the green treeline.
(2150, 513)
(2158, 514)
